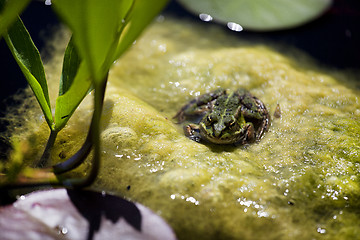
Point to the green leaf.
(140, 16)
(260, 15)
(70, 67)
(9, 10)
(74, 85)
(67, 103)
(96, 28)
(28, 58)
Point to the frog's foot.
(250, 135)
(192, 131)
(264, 126)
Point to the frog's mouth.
(221, 137)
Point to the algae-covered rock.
(301, 181)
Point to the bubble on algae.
(119, 137)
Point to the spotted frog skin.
(222, 117)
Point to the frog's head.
(220, 129)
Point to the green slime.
(301, 181)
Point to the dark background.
(333, 40)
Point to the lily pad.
(260, 15)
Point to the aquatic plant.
(102, 31)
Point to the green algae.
(300, 181)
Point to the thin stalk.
(78, 158)
(44, 160)
(94, 133)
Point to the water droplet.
(321, 230)
(61, 230)
(263, 214)
(205, 17)
(162, 47)
(22, 197)
(48, 2)
(234, 26)
(64, 230)
(192, 200)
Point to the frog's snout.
(218, 128)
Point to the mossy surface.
(301, 181)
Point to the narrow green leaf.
(67, 103)
(95, 25)
(74, 85)
(28, 58)
(141, 15)
(9, 10)
(70, 67)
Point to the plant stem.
(93, 139)
(78, 158)
(44, 160)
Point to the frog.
(225, 117)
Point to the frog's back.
(227, 105)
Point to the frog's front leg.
(198, 106)
(192, 131)
(250, 135)
(191, 110)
